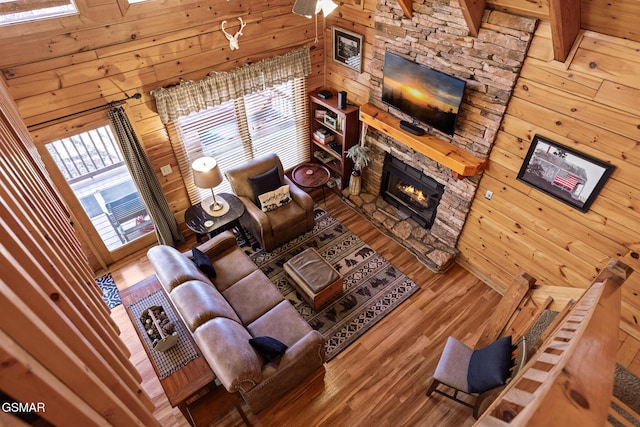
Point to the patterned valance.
(220, 86)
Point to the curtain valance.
(220, 86)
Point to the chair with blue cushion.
(276, 223)
(480, 373)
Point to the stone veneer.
(437, 36)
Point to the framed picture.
(561, 172)
(347, 48)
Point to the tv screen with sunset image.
(427, 95)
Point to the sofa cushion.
(285, 218)
(199, 302)
(453, 366)
(252, 296)
(225, 345)
(282, 322)
(172, 267)
(272, 200)
(231, 266)
(203, 262)
(268, 347)
(265, 182)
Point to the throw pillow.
(269, 348)
(265, 182)
(272, 200)
(203, 262)
(489, 366)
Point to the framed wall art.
(347, 48)
(563, 173)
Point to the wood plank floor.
(380, 379)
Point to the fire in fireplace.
(408, 189)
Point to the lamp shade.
(305, 7)
(206, 173)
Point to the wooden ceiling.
(567, 17)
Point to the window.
(273, 120)
(93, 166)
(14, 11)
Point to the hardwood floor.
(381, 379)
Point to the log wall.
(588, 103)
(58, 67)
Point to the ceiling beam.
(407, 7)
(565, 26)
(472, 11)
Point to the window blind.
(272, 120)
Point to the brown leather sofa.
(236, 305)
(274, 228)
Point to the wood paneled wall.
(614, 18)
(588, 103)
(62, 66)
(58, 67)
(59, 349)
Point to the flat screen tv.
(427, 95)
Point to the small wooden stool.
(312, 276)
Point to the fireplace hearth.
(412, 192)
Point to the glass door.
(94, 171)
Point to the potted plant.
(360, 156)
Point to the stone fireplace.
(437, 36)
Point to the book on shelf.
(323, 156)
(323, 136)
(336, 148)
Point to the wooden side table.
(311, 175)
(203, 224)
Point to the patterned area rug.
(373, 287)
(110, 293)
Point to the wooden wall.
(62, 66)
(590, 104)
(59, 349)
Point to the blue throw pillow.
(269, 348)
(203, 262)
(265, 182)
(489, 366)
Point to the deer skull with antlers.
(233, 40)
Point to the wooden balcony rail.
(569, 381)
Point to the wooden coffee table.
(311, 175)
(191, 388)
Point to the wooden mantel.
(461, 162)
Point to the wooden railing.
(569, 380)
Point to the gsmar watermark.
(22, 407)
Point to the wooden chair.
(125, 209)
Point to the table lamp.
(206, 174)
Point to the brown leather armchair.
(281, 225)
